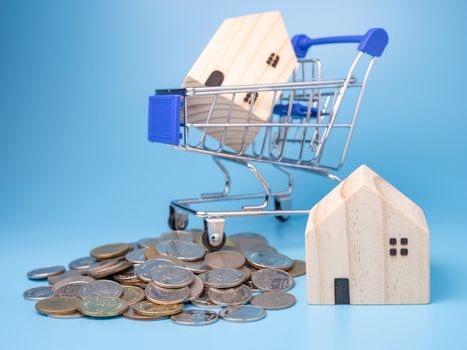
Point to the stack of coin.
(165, 277)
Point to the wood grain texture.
(240, 49)
(348, 236)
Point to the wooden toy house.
(367, 243)
(244, 50)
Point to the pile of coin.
(171, 276)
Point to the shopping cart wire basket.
(303, 117)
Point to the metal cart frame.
(304, 113)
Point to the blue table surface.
(302, 326)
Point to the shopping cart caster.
(213, 236)
(282, 203)
(177, 221)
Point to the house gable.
(365, 177)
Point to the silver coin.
(247, 236)
(82, 263)
(270, 260)
(67, 316)
(230, 296)
(223, 278)
(72, 279)
(99, 266)
(225, 259)
(174, 260)
(126, 275)
(250, 249)
(172, 277)
(136, 256)
(145, 270)
(252, 286)
(102, 288)
(70, 290)
(164, 296)
(242, 313)
(44, 272)
(298, 268)
(147, 242)
(272, 280)
(198, 266)
(186, 236)
(185, 251)
(195, 317)
(196, 288)
(38, 293)
(57, 278)
(273, 300)
(203, 301)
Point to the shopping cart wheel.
(213, 236)
(207, 242)
(282, 203)
(177, 220)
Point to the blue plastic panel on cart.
(164, 119)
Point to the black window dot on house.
(271, 59)
(392, 241)
(276, 61)
(404, 251)
(404, 241)
(393, 252)
(215, 79)
(249, 98)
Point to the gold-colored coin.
(150, 253)
(298, 268)
(248, 271)
(110, 250)
(132, 294)
(132, 315)
(229, 242)
(102, 272)
(225, 258)
(199, 238)
(103, 306)
(135, 282)
(147, 308)
(58, 305)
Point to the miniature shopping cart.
(306, 115)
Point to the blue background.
(77, 171)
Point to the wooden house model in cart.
(367, 243)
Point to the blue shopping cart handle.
(372, 43)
